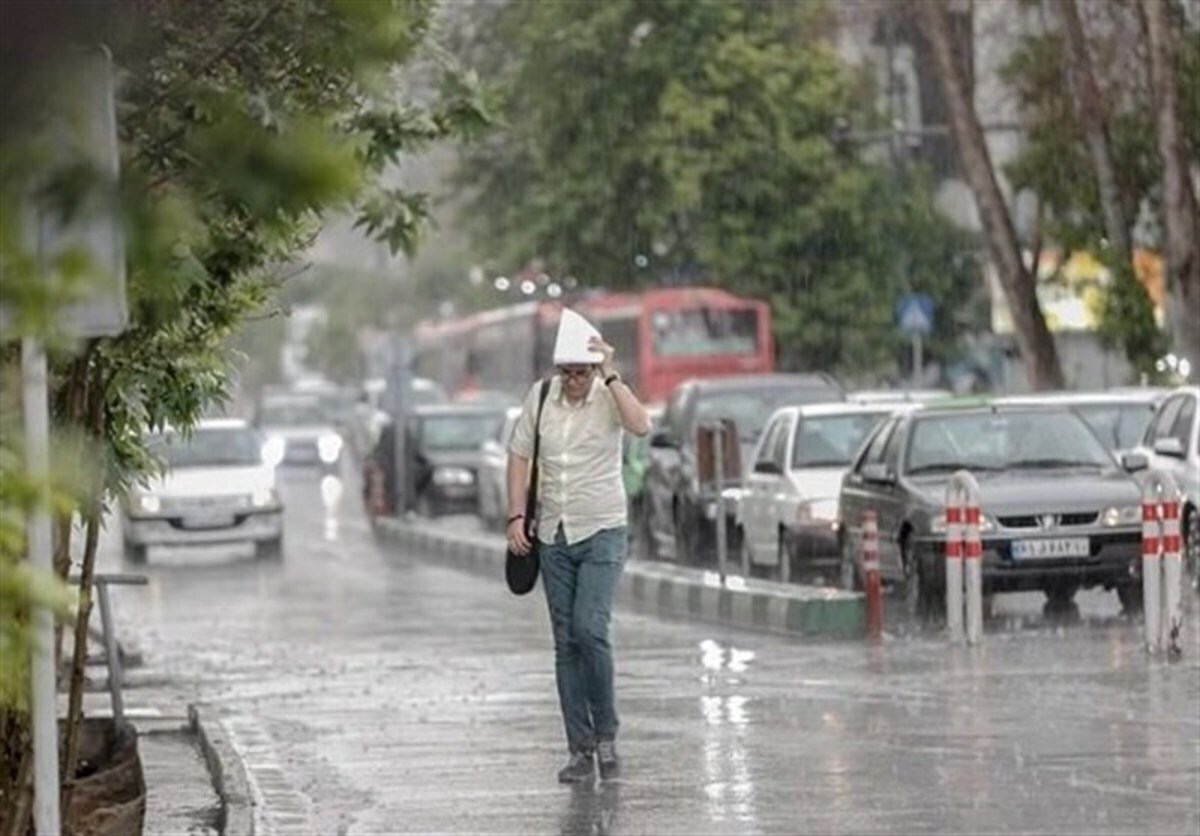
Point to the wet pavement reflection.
(593, 810)
(372, 692)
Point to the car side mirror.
(767, 467)
(661, 439)
(878, 473)
(1133, 462)
(1169, 446)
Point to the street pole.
(918, 353)
(44, 695)
(401, 385)
(719, 478)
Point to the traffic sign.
(914, 314)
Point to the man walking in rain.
(580, 529)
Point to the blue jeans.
(580, 582)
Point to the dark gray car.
(1059, 512)
(444, 451)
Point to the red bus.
(662, 337)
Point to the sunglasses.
(575, 371)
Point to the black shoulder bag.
(521, 571)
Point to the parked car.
(682, 512)
(1172, 444)
(300, 431)
(493, 473)
(635, 460)
(217, 488)
(788, 512)
(1119, 418)
(884, 396)
(488, 397)
(443, 451)
(1059, 512)
(369, 416)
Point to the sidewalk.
(665, 589)
(180, 795)
(195, 783)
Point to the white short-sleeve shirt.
(579, 485)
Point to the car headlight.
(446, 476)
(262, 497)
(1121, 515)
(329, 447)
(817, 512)
(148, 503)
(273, 450)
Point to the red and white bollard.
(964, 558)
(1162, 563)
(871, 584)
(1151, 569)
(973, 567)
(1172, 568)
(954, 566)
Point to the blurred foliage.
(241, 124)
(1054, 161)
(351, 301)
(697, 141)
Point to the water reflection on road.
(391, 695)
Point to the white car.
(299, 431)
(1172, 443)
(493, 473)
(788, 509)
(218, 487)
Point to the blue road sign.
(914, 314)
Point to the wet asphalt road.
(373, 693)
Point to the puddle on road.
(332, 490)
(729, 788)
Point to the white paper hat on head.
(571, 347)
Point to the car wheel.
(920, 599)
(784, 558)
(644, 536)
(1130, 596)
(685, 546)
(135, 552)
(1191, 547)
(269, 549)
(426, 507)
(1061, 595)
(848, 568)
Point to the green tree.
(697, 141)
(1054, 162)
(233, 147)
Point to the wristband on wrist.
(514, 518)
(611, 379)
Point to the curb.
(228, 772)
(665, 589)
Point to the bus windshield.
(701, 332)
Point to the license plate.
(1049, 549)
(207, 520)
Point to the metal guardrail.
(102, 582)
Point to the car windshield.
(294, 413)
(1119, 426)
(212, 447)
(457, 432)
(750, 408)
(831, 440)
(1003, 441)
